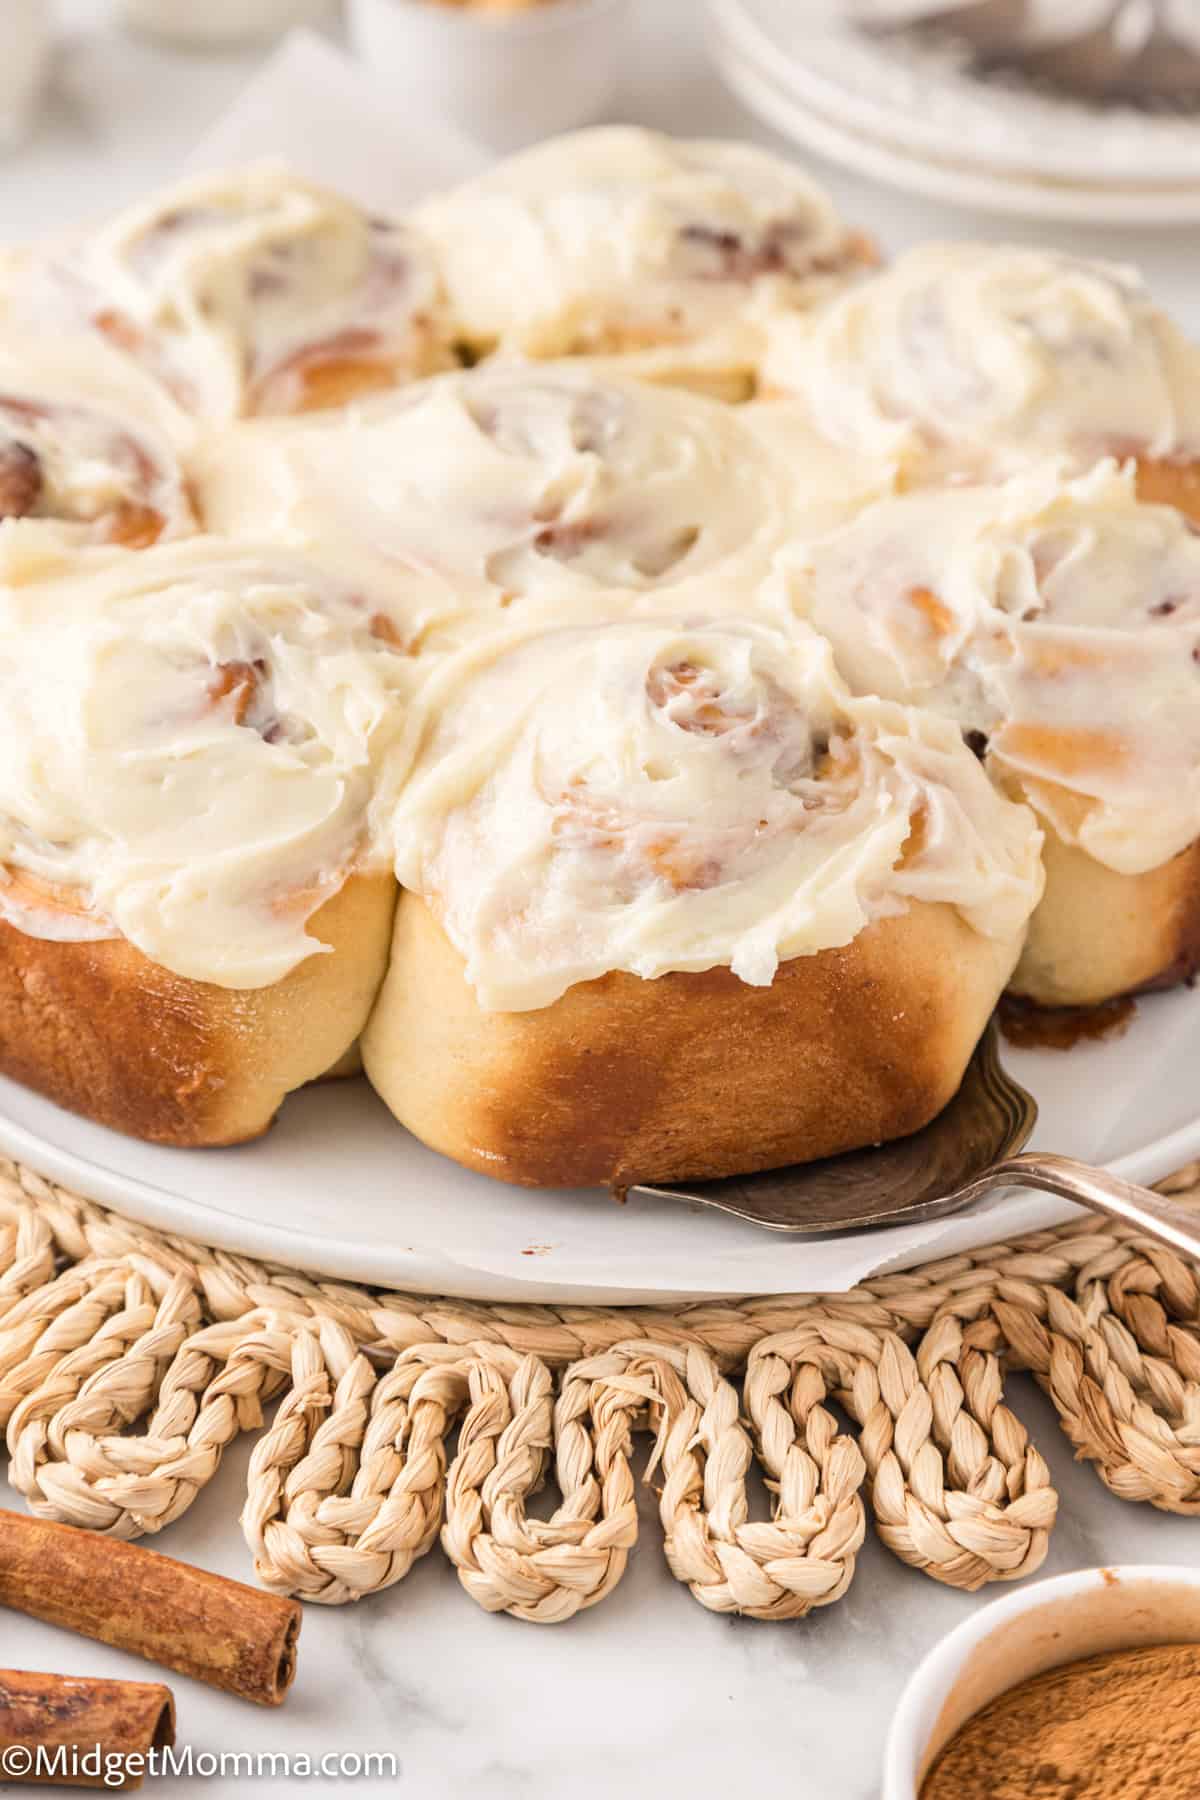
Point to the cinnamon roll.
(973, 361)
(194, 901)
(531, 485)
(88, 450)
(622, 240)
(252, 292)
(676, 905)
(1058, 623)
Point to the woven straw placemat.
(130, 1359)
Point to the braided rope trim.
(130, 1359)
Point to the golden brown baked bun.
(100, 1029)
(1098, 933)
(347, 1067)
(1165, 483)
(1057, 622)
(688, 1076)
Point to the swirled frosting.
(1059, 620)
(247, 292)
(617, 238)
(556, 640)
(542, 484)
(87, 444)
(191, 741)
(982, 358)
(640, 796)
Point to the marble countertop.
(648, 1694)
(644, 1696)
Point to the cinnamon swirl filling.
(80, 466)
(634, 796)
(532, 486)
(618, 240)
(1057, 623)
(193, 743)
(974, 361)
(249, 293)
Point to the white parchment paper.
(316, 107)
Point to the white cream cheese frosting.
(90, 446)
(979, 359)
(531, 484)
(191, 742)
(641, 796)
(1059, 620)
(245, 293)
(596, 610)
(617, 238)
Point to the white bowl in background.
(1035, 1629)
(221, 24)
(505, 78)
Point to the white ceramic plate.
(338, 1188)
(910, 116)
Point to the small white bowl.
(221, 24)
(1013, 1639)
(506, 79)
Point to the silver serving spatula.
(971, 1149)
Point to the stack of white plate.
(909, 109)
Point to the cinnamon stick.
(81, 1733)
(232, 1636)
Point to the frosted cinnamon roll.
(622, 240)
(252, 292)
(1059, 625)
(676, 905)
(191, 743)
(543, 484)
(973, 361)
(87, 449)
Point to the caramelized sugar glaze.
(1031, 1027)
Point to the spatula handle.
(1172, 1224)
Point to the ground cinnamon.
(234, 1637)
(1123, 1726)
